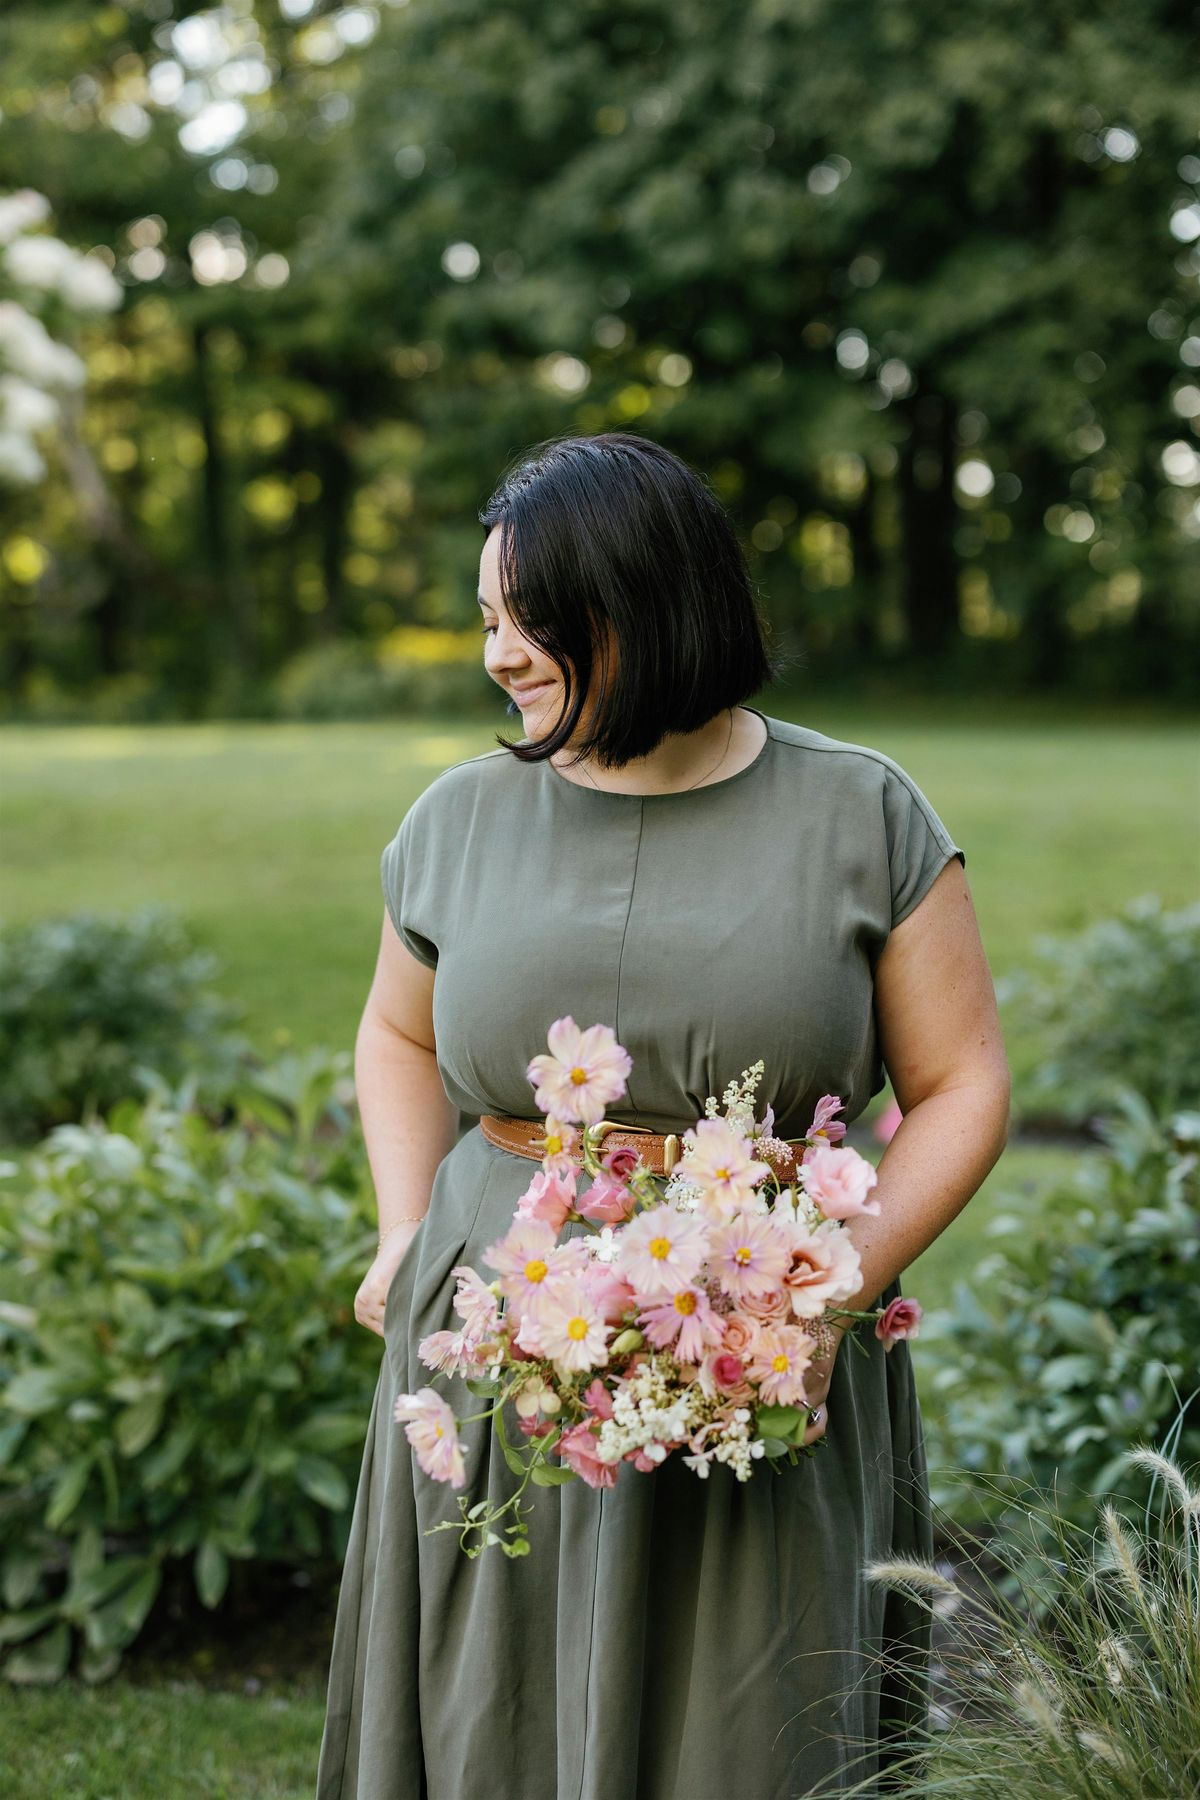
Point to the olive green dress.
(668, 1638)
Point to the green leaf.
(513, 1460)
(43, 1660)
(96, 1666)
(17, 1625)
(22, 1572)
(1086, 1328)
(211, 1571)
(99, 1585)
(34, 1391)
(546, 1475)
(138, 1424)
(786, 1422)
(1062, 1372)
(323, 1482)
(67, 1492)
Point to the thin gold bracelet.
(405, 1219)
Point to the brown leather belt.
(660, 1150)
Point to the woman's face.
(515, 664)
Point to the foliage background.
(916, 288)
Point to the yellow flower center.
(535, 1270)
(779, 1363)
(685, 1302)
(723, 1175)
(553, 1145)
(578, 1075)
(660, 1247)
(577, 1329)
(742, 1254)
(439, 1431)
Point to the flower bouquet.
(683, 1317)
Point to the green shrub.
(88, 1002)
(1072, 1342)
(1117, 1005)
(413, 669)
(181, 1372)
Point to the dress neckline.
(705, 787)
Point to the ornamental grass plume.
(1096, 1696)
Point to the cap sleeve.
(919, 846)
(402, 871)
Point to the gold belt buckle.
(671, 1150)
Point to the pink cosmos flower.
(823, 1122)
(839, 1181)
(455, 1353)
(685, 1320)
(825, 1268)
(475, 1304)
(717, 1159)
(530, 1262)
(608, 1201)
(578, 1449)
(570, 1328)
(901, 1319)
(560, 1141)
(549, 1197)
(584, 1071)
(782, 1355)
(749, 1255)
(432, 1430)
(661, 1250)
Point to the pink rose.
(900, 1319)
(620, 1161)
(839, 1181)
(577, 1448)
(741, 1334)
(769, 1307)
(548, 1197)
(607, 1202)
(728, 1371)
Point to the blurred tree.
(916, 289)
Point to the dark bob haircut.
(614, 540)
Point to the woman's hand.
(816, 1385)
(371, 1298)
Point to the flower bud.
(627, 1341)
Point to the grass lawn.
(176, 1741)
(266, 838)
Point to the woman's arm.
(940, 1038)
(409, 1123)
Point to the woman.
(716, 885)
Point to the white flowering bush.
(41, 279)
